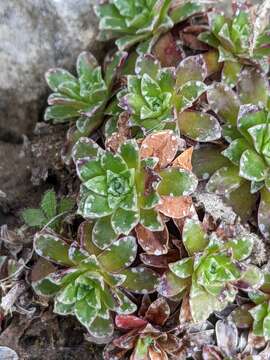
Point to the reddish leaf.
(167, 51)
(184, 160)
(185, 313)
(211, 353)
(153, 242)
(129, 322)
(158, 312)
(175, 207)
(161, 261)
(163, 145)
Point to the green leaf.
(182, 268)
(253, 87)
(194, 238)
(263, 213)
(191, 68)
(189, 93)
(140, 280)
(34, 217)
(86, 63)
(63, 309)
(68, 295)
(176, 182)
(45, 287)
(206, 160)
(230, 72)
(252, 278)
(52, 247)
(97, 184)
(224, 180)
(101, 327)
(202, 304)
(123, 221)
(113, 162)
(171, 285)
(252, 166)
(241, 247)
(61, 113)
(151, 219)
(119, 255)
(199, 126)
(235, 150)
(65, 204)
(147, 64)
(224, 102)
(85, 313)
(129, 151)
(96, 206)
(56, 77)
(183, 11)
(103, 233)
(49, 204)
(85, 148)
(250, 116)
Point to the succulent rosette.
(260, 312)
(211, 273)
(158, 98)
(140, 21)
(246, 129)
(90, 283)
(242, 39)
(81, 99)
(120, 190)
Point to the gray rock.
(34, 36)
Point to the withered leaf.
(176, 207)
(184, 160)
(153, 242)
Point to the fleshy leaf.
(52, 247)
(103, 233)
(176, 182)
(199, 126)
(252, 166)
(140, 280)
(153, 242)
(171, 285)
(194, 238)
(119, 255)
(224, 180)
(263, 213)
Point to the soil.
(29, 166)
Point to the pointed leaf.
(57, 76)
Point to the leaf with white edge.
(57, 76)
(85, 148)
(182, 268)
(45, 287)
(177, 182)
(151, 219)
(101, 328)
(52, 247)
(248, 117)
(140, 280)
(251, 279)
(241, 247)
(235, 150)
(63, 309)
(202, 304)
(230, 72)
(224, 102)
(253, 87)
(191, 68)
(103, 233)
(252, 166)
(85, 313)
(199, 126)
(123, 221)
(171, 285)
(96, 206)
(147, 64)
(86, 63)
(224, 180)
(194, 238)
(125, 305)
(263, 213)
(189, 93)
(119, 255)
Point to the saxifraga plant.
(240, 40)
(212, 272)
(141, 21)
(121, 190)
(90, 282)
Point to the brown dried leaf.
(157, 354)
(153, 242)
(185, 313)
(158, 312)
(184, 160)
(117, 138)
(176, 207)
(163, 145)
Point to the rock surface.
(34, 36)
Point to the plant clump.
(167, 138)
